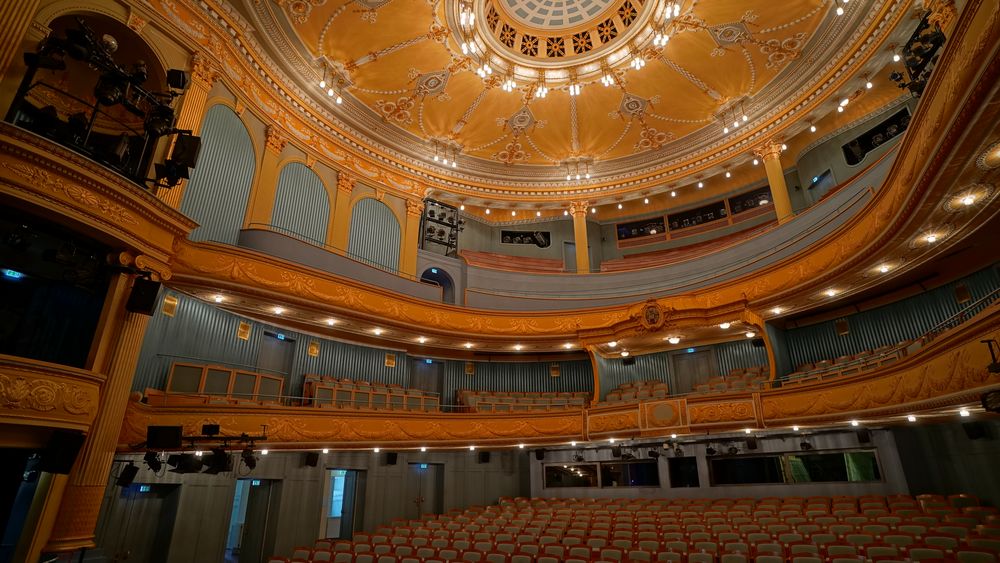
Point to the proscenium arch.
(375, 234)
(301, 203)
(217, 194)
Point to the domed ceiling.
(533, 91)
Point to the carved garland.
(43, 395)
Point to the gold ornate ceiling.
(415, 69)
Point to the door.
(142, 516)
(569, 256)
(427, 375)
(692, 368)
(345, 503)
(260, 524)
(424, 489)
(275, 355)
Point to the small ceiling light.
(487, 210)
(964, 413)
(931, 238)
(573, 444)
(812, 128)
(339, 99)
(198, 453)
(747, 431)
(845, 101)
(565, 213)
(575, 89)
(612, 344)
(777, 310)
(611, 440)
(751, 334)
(422, 339)
(619, 206)
(869, 85)
(967, 200)
(377, 331)
(376, 450)
(725, 326)
(725, 129)
(593, 210)
(911, 418)
(840, 109)
(461, 207)
(567, 345)
(728, 174)
(895, 57)
(467, 345)
(701, 185)
(587, 175)
(624, 353)
(883, 268)
(831, 292)
(265, 452)
(674, 340)
(423, 448)
(840, 11)
(513, 213)
(756, 162)
(218, 298)
(673, 436)
(326, 450)
(764, 201)
(784, 147)
(645, 200)
(518, 346)
(278, 310)
(795, 429)
(673, 193)
(855, 423)
(538, 213)
(330, 92)
(521, 446)
(746, 118)
(472, 448)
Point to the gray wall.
(941, 459)
(206, 500)
(485, 237)
(893, 478)
(301, 205)
(217, 194)
(375, 235)
(575, 375)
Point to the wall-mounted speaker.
(864, 436)
(484, 457)
(752, 443)
(164, 437)
(540, 455)
(757, 342)
(628, 361)
(390, 458)
(311, 459)
(616, 451)
(60, 452)
(127, 475)
(186, 150)
(142, 298)
(976, 430)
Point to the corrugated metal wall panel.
(614, 372)
(905, 319)
(375, 234)
(739, 354)
(301, 205)
(342, 360)
(217, 193)
(575, 375)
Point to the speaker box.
(628, 361)
(864, 436)
(540, 455)
(164, 437)
(311, 459)
(60, 453)
(177, 79)
(127, 475)
(484, 457)
(976, 430)
(757, 342)
(616, 451)
(390, 458)
(142, 298)
(752, 443)
(186, 150)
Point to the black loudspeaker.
(752, 443)
(628, 361)
(616, 451)
(186, 150)
(142, 298)
(484, 457)
(976, 430)
(164, 437)
(540, 455)
(177, 79)
(758, 342)
(864, 436)
(127, 475)
(390, 458)
(60, 453)
(311, 459)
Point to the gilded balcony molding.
(38, 393)
(949, 370)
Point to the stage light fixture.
(710, 451)
(653, 454)
(249, 459)
(218, 462)
(805, 445)
(152, 460)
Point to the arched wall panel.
(301, 205)
(217, 193)
(375, 234)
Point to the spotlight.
(805, 446)
(653, 454)
(733, 450)
(577, 458)
(710, 451)
(152, 460)
(184, 463)
(249, 459)
(219, 462)
(678, 452)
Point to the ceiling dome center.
(553, 15)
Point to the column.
(411, 237)
(943, 13)
(76, 519)
(192, 114)
(263, 191)
(15, 18)
(342, 212)
(578, 209)
(770, 153)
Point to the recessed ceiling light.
(701, 185)
(747, 431)
(895, 57)
(331, 322)
(613, 343)
(830, 292)
(964, 413)
(513, 213)
(461, 207)
(674, 340)
(565, 213)
(538, 213)
(729, 174)
(567, 345)
(376, 450)
(812, 128)
(278, 310)
(725, 326)
(218, 298)
(518, 346)
(487, 210)
(422, 339)
(377, 331)
(969, 199)
(624, 353)
(467, 345)
(619, 206)
(784, 147)
(840, 10)
(931, 238)
(265, 452)
(883, 268)
(521, 446)
(845, 101)
(855, 423)
(795, 428)
(869, 85)
(423, 448)
(840, 109)
(750, 334)
(673, 436)
(777, 310)
(611, 440)
(645, 200)
(911, 418)
(673, 194)
(326, 450)
(756, 162)
(593, 210)
(472, 448)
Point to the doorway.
(691, 368)
(427, 374)
(569, 256)
(253, 521)
(438, 276)
(142, 516)
(276, 354)
(424, 489)
(345, 502)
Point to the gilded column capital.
(275, 139)
(158, 270)
(202, 70)
(770, 150)
(578, 208)
(414, 207)
(943, 12)
(345, 182)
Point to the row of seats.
(849, 364)
(871, 528)
(738, 380)
(497, 261)
(499, 401)
(331, 392)
(638, 391)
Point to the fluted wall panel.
(301, 205)
(575, 375)
(614, 372)
(890, 324)
(739, 354)
(217, 193)
(375, 234)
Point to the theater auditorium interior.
(499, 281)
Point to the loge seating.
(498, 401)
(330, 392)
(671, 255)
(849, 365)
(838, 529)
(738, 380)
(497, 261)
(638, 391)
